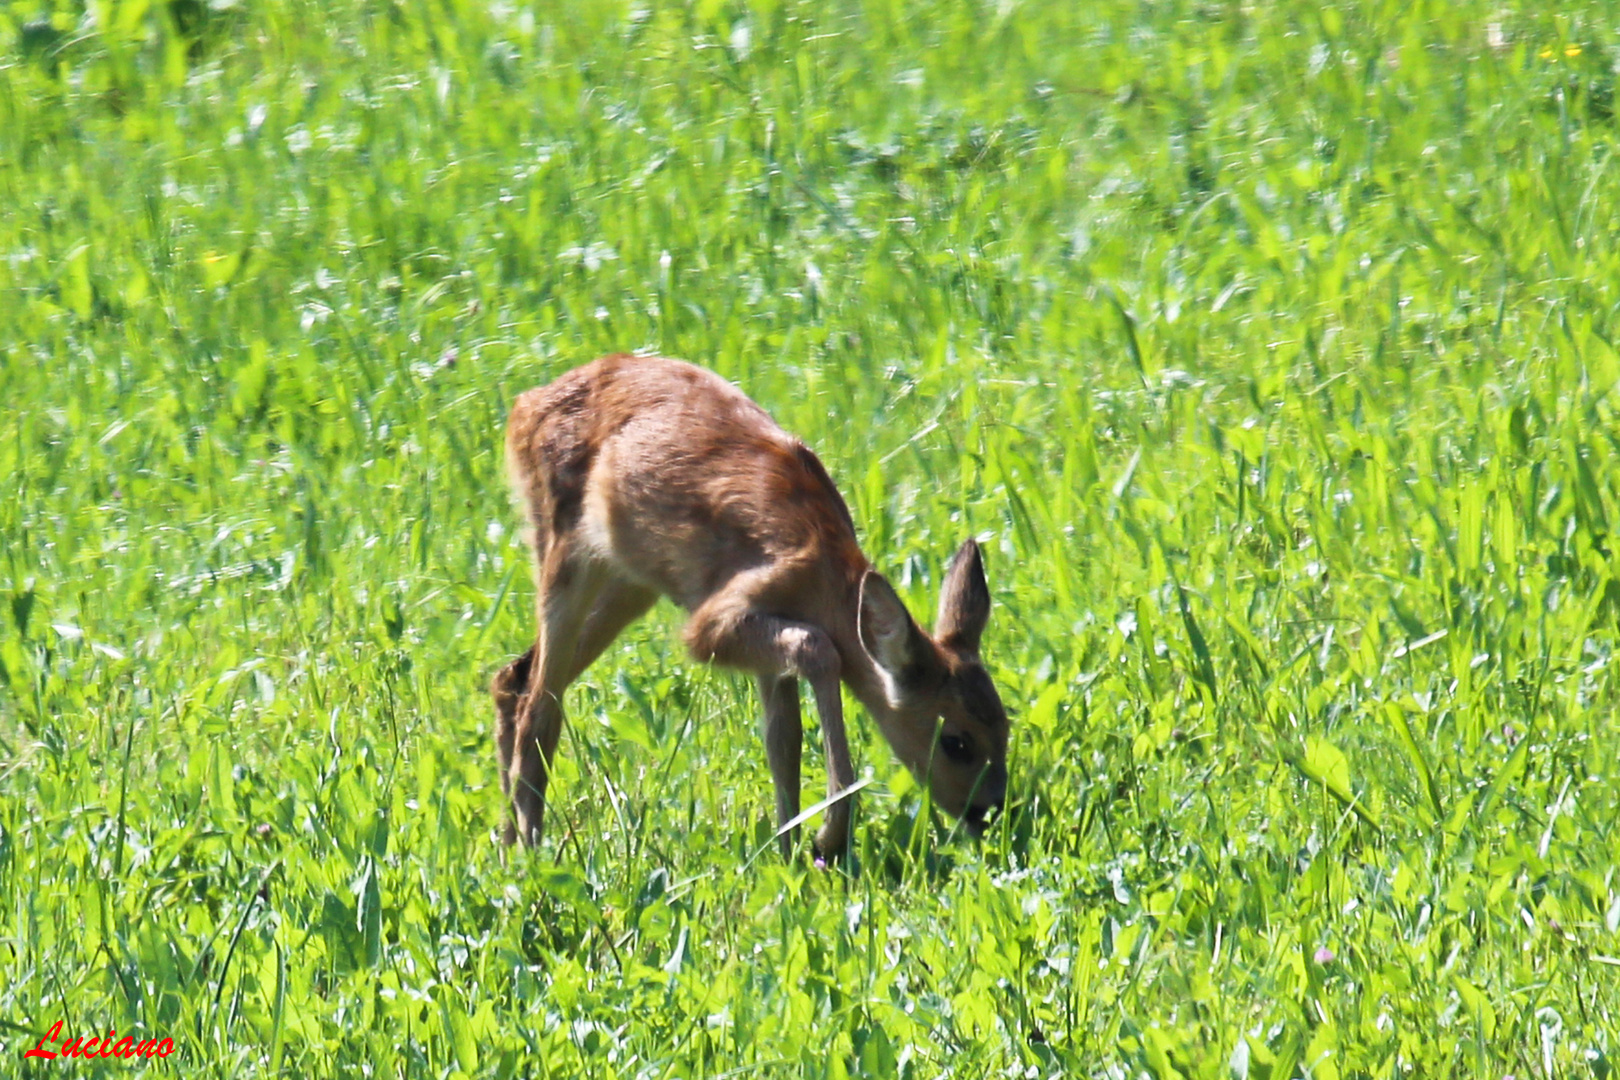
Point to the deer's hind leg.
(508, 688)
(582, 607)
(566, 587)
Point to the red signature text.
(107, 1046)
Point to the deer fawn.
(645, 477)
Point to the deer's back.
(675, 478)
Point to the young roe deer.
(645, 477)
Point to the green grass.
(1270, 346)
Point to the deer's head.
(941, 712)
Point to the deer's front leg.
(727, 630)
(784, 738)
(832, 839)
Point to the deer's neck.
(862, 677)
(856, 667)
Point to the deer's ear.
(888, 632)
(964, 602)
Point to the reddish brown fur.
(645, 477)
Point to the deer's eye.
(956, 748)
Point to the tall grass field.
(1270, 349)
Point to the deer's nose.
(977, 817)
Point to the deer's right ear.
(964, 601)
(888, 632)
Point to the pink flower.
(1324, 955)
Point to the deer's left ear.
(886, 629)
(964, 601)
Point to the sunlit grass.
(1268, 346)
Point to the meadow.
(1269, 349)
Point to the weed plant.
(1269, 347)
